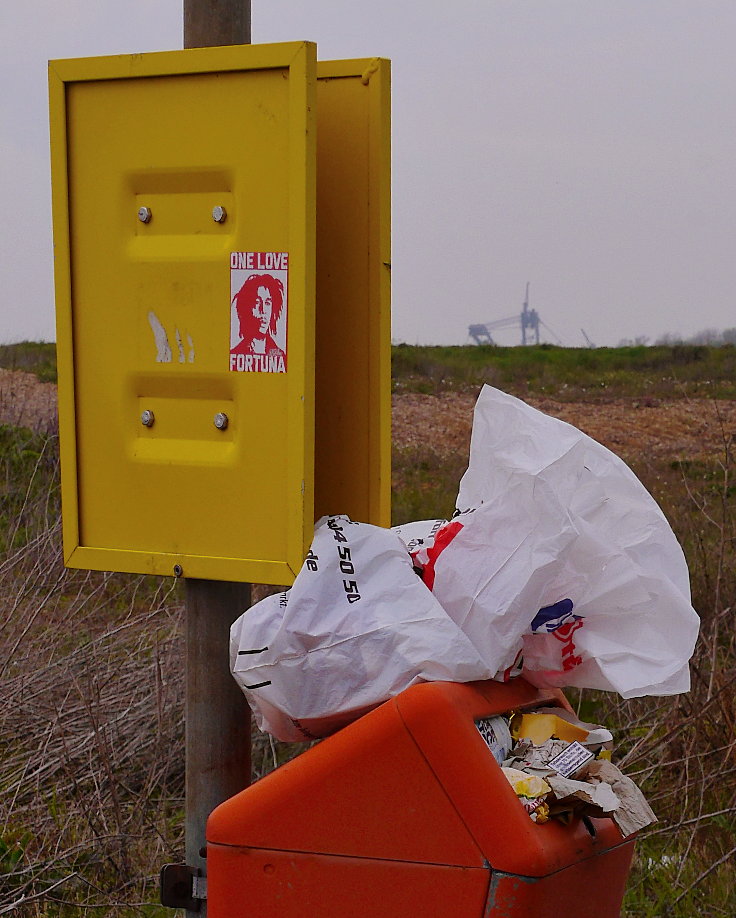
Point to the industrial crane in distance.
(528, 320)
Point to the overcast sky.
(585, 146)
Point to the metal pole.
(216, 22)
(217, 717)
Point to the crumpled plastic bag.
(560, 552)
(357, 627)
(559, 564)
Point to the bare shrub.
(91, 716)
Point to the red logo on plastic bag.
(564, 634)
(443, 538)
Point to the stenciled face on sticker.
(258, 304)
(262, 310)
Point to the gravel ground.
(26, 402)
(633, 428)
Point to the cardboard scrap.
(634, 813)
(528, 755)
(600, 795)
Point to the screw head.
(221, 420)
(147, 418)
(219, 214)
(144, 214)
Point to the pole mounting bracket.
(182, 886)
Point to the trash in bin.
(543, 725)
(532, 791)
(578, 772)
(571, 760)
(495, 731)
(633, 812)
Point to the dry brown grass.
(91, 730)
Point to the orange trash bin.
(404, 813)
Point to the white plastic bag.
(357, 627)
(418, 537)
(561, 551)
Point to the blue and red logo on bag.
(550, 618)
(559, 621)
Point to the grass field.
(91, 720)
(570, 373)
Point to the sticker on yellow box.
(258, 311)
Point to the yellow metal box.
(184, 187)
(353, 367)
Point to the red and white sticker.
(258, 311)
